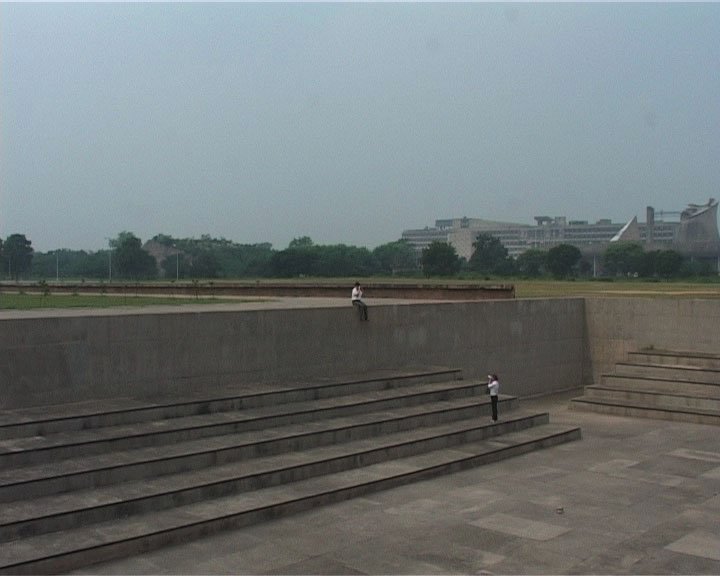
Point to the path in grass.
(10, 301)
(558, 289)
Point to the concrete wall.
(616, 326)
(535, 346)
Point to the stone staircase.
(664, 384)
(86, 483)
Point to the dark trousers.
(493, 402)
(362, 309)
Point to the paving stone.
(613, 524)
(320, 565)
(533, 558)
(263, 558)
(713, 473)
(521, 527)
(669, 562)
(698, 543)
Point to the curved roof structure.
(698, 228)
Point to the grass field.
(547, 288)
(635, 288)
(33, 299)
(10, 301)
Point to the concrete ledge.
(409, 290)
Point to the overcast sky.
(349, 122)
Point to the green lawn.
(523, 289)
(546, 288)
(11, 301)
(635, 288)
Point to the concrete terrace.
(232, 304)
(634, 496)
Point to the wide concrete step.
(658, 384)
(637, 409)
(31, 516)
(68, 549)
(661, 399)
(46, 420)
(39, 449)
(676, 357)
(83, 472)
(669, 371)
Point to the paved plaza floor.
(634, 496)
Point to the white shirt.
(356, 293)
(494, 387)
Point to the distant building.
(695, 233)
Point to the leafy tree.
(532, 263)
(232, 260)
(668, 263)
(243, 260)
(70, 264)
(440, 259)
(293, 262)
(562, 259)
(306, 259)
(489, 256)
(204, 264)
(395, 257)
(622, 258)
(92, 265)
(164, 239)
(18, 254)
(692, 267)
(647, 264)
(585, 267)
(129, 260)
(48, 264)
(343, 260)
(302, 242)
(175, 266)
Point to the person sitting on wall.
(357, 301)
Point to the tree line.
(563, 261)
(208, 258)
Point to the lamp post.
(109, 259)
(57, 267)
(177, 262)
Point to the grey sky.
(349, 122)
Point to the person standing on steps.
(357, 301)
(493, 389)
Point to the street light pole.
(57, 268)
(177, 262)
(109, 259)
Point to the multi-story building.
(694, 233)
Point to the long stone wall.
(535, 346)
